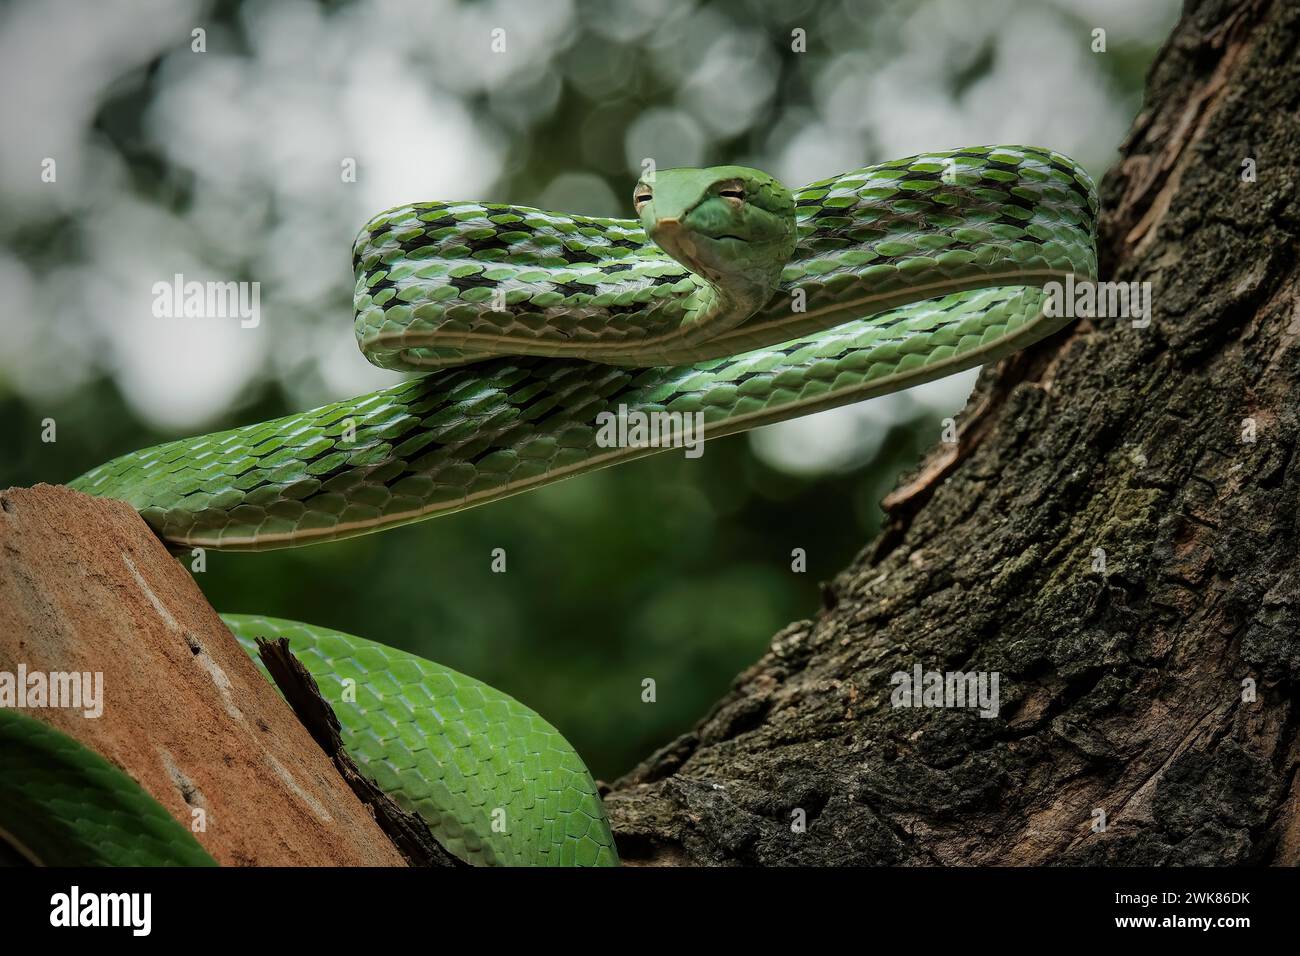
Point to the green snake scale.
(730, 297)
(64, 804)
(490, 752)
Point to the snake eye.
(641, 196)
(734, 193)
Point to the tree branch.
(86, 587)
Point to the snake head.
(731, 225)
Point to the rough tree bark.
(1121, 689)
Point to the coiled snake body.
(731, 297)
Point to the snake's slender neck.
(716, 297)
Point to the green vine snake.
(730, 297)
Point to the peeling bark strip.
(85, 586)
(1115, 534)
(408, 831)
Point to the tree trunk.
(1113, 533)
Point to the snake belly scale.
(730, 296)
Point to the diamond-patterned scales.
(494, 781)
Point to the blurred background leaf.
(226, 164)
